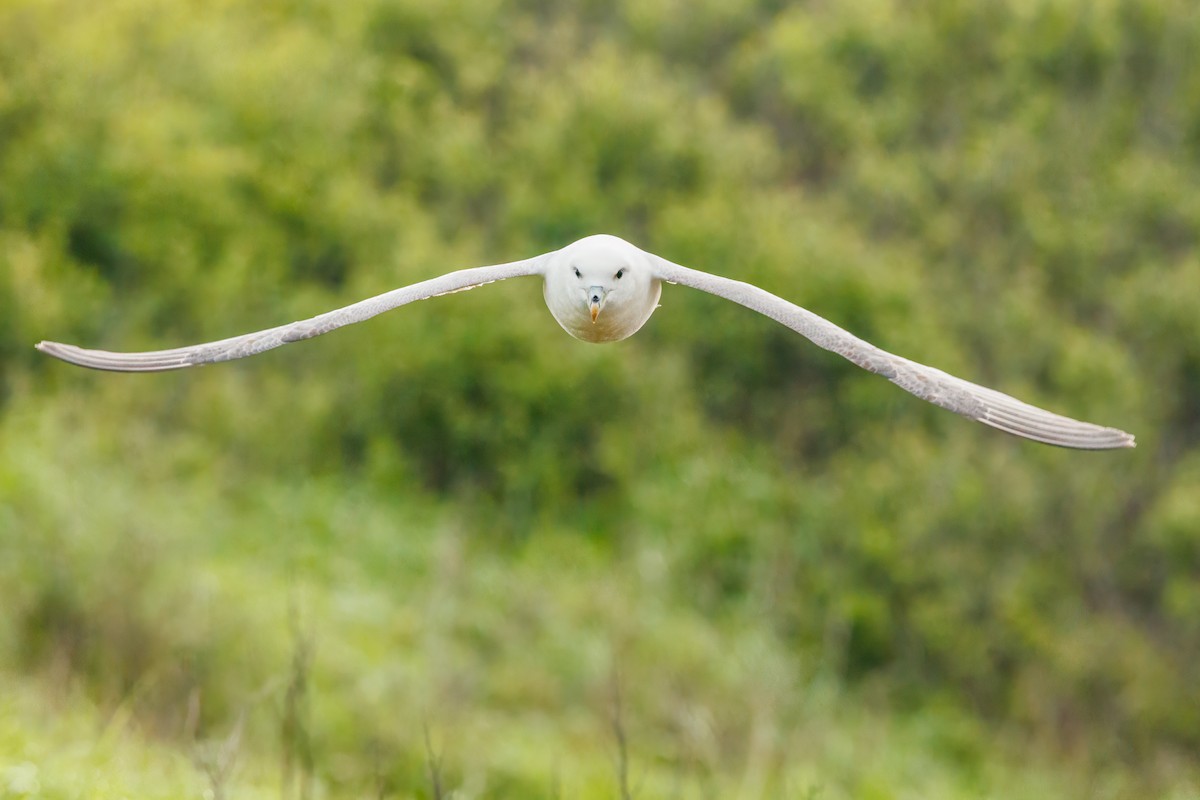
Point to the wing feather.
(953, 394)
(250, 344)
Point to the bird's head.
(601, 289)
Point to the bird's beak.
(596, 295)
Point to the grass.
(167, 635)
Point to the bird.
(603, 289)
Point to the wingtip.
(1120, 440)
(50, 348)
(1116, 439)
(56, 350)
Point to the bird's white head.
(601, 289)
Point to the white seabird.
(603, 289)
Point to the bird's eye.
(620, 272)
(577, 273)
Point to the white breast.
(625, 311)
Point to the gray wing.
(953, 394)
(253, 343)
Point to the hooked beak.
(596, 295)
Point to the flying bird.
(603, 289)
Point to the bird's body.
(604, 289)
(601, 267)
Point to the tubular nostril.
(595, 298)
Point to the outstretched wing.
(253, 343)
(953, 394)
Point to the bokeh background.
(453, 552)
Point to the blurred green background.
(452, 551)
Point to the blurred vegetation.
(430, 552)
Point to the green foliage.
(482, 520)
